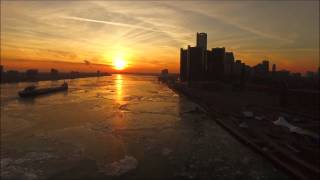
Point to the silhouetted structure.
(31, 74)
(296, 76)
(183, 64)
(282, 75)
(310, 75)
(197, 64)
(217, 63)
(194, 64)
(261, 69)
(237, 69)
(164, 72)
(274, 70)
(1, 72)
(265, 66)
(228, 65)
(166, 77)
(12, 74)
(202, 40)
(74, 74)
(54, 73)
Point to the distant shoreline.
(17, 78)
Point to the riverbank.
(256, 120)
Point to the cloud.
(250, 29)
(221, 18)
(110, 23)
(157, 31)
(86, 62)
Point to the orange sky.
(45, 66)
(148, 36)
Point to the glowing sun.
(119, 63)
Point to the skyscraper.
(183, 64)
(228, 64)
(274, 68)
(216, 66)
(237, 68)
(265, 66)
(194, 65)
(1, 71)
(202, 40)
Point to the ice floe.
(166, 151)
(281, 121)
(120, 167)
(17, 169)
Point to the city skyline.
(141, 37)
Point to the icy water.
(118, 127)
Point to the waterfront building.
(228, 64)
(216, 64)
(12, 75)
(283, 75)
(74, 74)
(209, 66)
(262, 69)
(31, 74)
(202, 40)
(265, 67)
(1, 72)
(183, 64)
(247, 70)
(274, 69)
(310, 75)
(54, 72)
(164, 72)
(237, 68)
(296, 75)
(195, 64)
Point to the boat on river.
(32, 91)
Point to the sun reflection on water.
(118, 81)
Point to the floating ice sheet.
(282, 122)
(166, 151)
(120, 167)
(248, 114)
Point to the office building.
(1, 72)
(194, 64)
(228, 64)
(237, 68)
(274, 68)
(183, 64)
(202, 40)
(31, 74)
(265, 66)
(216, 64)
(54, 72)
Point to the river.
(117, 127)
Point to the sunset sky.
(145, 36)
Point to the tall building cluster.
(200, 64)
